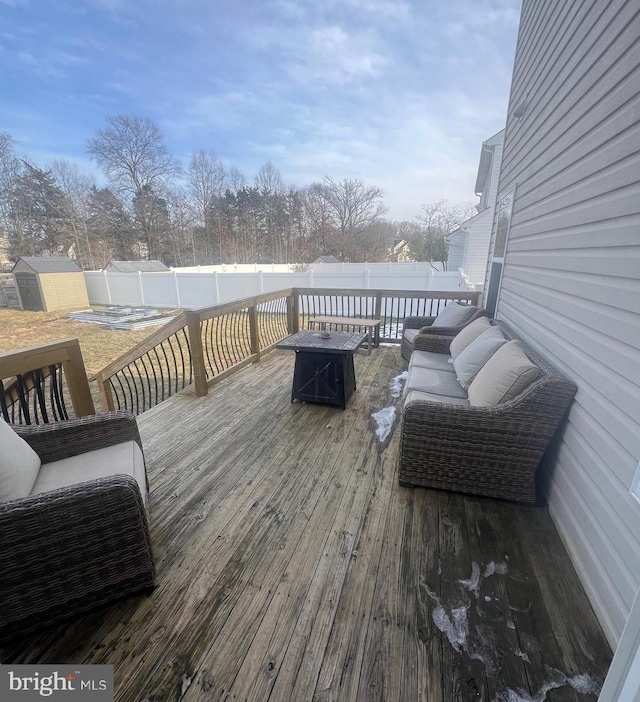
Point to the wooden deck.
(292, 566)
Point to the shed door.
(29, 291)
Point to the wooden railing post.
(377, 314)
(106, 396)
(254, 335)
(197, 353)
(293, 312)
(77, 382)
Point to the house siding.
(571, 278)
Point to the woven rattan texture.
(493, 451)
(71, 550)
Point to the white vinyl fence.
(190, 289)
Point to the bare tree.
(132, 153)
(207, 178)
(76, 185)
(437, 221)
(269, 180)
(9, 172)
(235, 179)
(352, 208)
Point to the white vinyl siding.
(571, 278)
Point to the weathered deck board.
(292, 566)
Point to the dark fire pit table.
(324, 371)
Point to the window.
(501, 226)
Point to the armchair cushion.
(472, 359)
(125, 458)
(468, 334)
(19, 465)
(454, 314)
(504, 376)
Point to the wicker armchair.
(413, 327)
(490, 451)
(72, 549)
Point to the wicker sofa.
(72, 545)
(448, 443)
(414, 326)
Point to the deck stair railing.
(43, 384)
(198, 347)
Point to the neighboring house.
(400, 252)
(327, 259)
(565, 272)
(469, 244)
(136, 267)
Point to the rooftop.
(292, 566)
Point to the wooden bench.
(372, 327)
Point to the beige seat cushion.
(454, 314)
(430, 359)
(410, 335)
(19, 465)
(504, 376)
(471, 360)
(417, 395)
(125, 458)
(435, 382)
(470, 333)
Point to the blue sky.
(399, 93)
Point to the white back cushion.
(470, 333)
(19, 465)
(472, 359)
(454, 314)
(504, 376)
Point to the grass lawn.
(99, 345)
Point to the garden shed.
(48, 283)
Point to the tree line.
(153, 207)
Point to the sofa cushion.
(125, 458)
(470, 333)
(454, 314)
(471, 360)
(504, 376)
(418, 395)
(19, 465)
(430, 359)
(436, 382)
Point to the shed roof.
(49, 264)
(137, 266)
(327, 259)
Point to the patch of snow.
(522, 654)
(493, 568)
(186, 683)
(487, 598)
(396, 384)
(384, 419)
(453, 625)
(473, 584)
(585, 684)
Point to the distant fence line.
(191, 289)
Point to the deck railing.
(389, 306)
(43, 384)
(198, 347)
